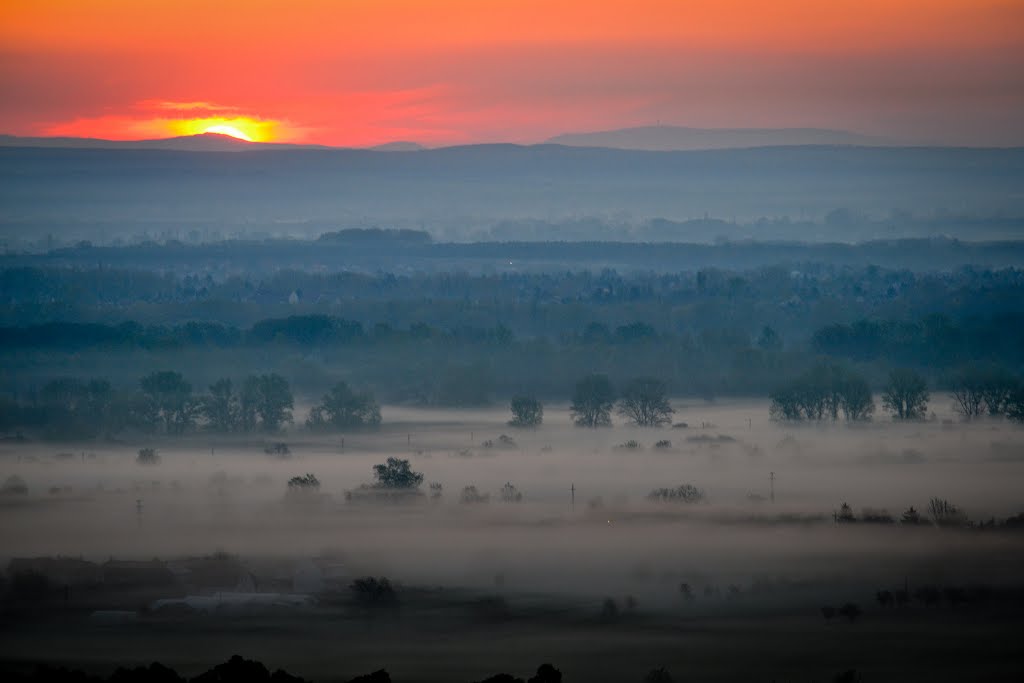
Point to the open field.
(516, 584)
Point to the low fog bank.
(584, 525)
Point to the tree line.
(828, 390)
(164, 403)
(934, 341)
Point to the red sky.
(356, 72)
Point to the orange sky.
(355, 72)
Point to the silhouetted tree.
(380, 676)
(855, 398)
(266, 401)
(822, 393)
(73, 408)
(470, 494)
(167, 402)
(546, 673)
(659, 675)
(154, 673)
(945, 514)
(684, 493)
(851, 611)
(343, 407)
(644, 401)
(911, 517)
(845, 514)
(997, 388)
(592, 401)
(373, 591)
(510, 494)
(397, 474)
(501, 678)
(967, 387)
(905, 395)
(239, 670)
(1015, 404)
(306, 482)
(147, 456)
(220, 407)
(526, 412)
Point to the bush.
(684, 493)
(279, 449)
(546, 674)
(510, 494)
(147, 456)
(471, 495)
(307, 482)
(658, 676)
(14, 485)
(372, 591)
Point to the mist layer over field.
(584, 525)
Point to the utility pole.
(572, 496)
(771, 478)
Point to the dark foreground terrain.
(447, 637)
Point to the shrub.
(14, 485)
(471, 495)
(510, 494)
(372, 591)
(307, 482)
(279, 449)
(147, 456)
(684, 493)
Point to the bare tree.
(998, 388)
(644, 402)
(905, 395)
(968, 392)
(944, 513)
(592, 401)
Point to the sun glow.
(243, 128)
(228, 130)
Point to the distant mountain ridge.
(645, 138)
(203, 142)
(679, 138)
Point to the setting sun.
(228, 130)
